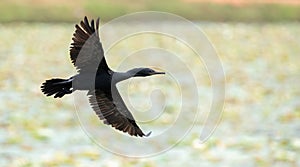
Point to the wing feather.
(114, 112)
(86, 50)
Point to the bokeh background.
(258, 43)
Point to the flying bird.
(95, 76)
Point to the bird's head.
(143, 72)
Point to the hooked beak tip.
(159, 73)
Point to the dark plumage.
(98, 79)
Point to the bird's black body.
(98, 79)
(88, 81)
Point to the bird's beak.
(155, 73)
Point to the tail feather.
(57, 87)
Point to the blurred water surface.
(260, 124)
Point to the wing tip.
(86, 19)
(97, 23)
(148, 134)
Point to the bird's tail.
(57, 87)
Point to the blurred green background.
(215, 10)
(257, 41)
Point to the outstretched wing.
(113, 111)
(86, 49)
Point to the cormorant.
(94, 75)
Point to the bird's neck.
(121, 76)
